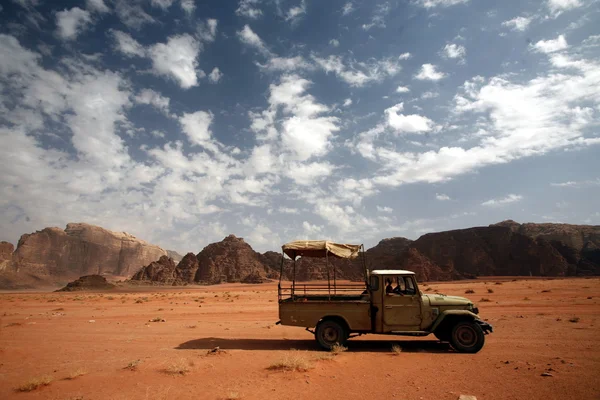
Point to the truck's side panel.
(307, 314)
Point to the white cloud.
(429, 72)
(578, 184)
(429, 95)
(402, 89)
(558, 6)
(407, 123)
(348, 8)
(442, 197)
(358, 74)
(155, 99)
(312, 229)
(275, 64)
(385, 209)
(288, 210)
(132, 14)
(248, 37)
(552, 45)
(347, 102)
(309, 174)
(197, 127)
(511, 198)
(97, 5)
(454, 51)
(248, 8)
(440, 3)
(404, 56)
(128, 45)
(518, 23)
(334, 42)
(164, 4)
(295, 13)
(378, 19)
(215, 75)
(71, 23)
(188, 6)
(177, 59)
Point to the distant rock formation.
(162, 271)
(54, 254)
(88, 282)
(174, 255)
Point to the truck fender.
(445, 315)
(337, 318)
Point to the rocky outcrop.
(255, 278)
(230, 260)
(161, 271)
(88, 282)
(6, 251)
(82, 249)
(186, 269)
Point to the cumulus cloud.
(153, 98)
(334, 42)
(511, 198)
(250, 38)
(215, 75)
(558, 6)
(207, 31)
(177, 59)
(442, 197)
(552, 45)
(440, 3)
(249, 9)
(518, 23)
(402, 89)
(429, 72)
(296, 12)
(358, 74)
(97, 6)
(188, 6)
(385, 209)
(407, 123)
(164, 4)
(70, 23)
(348, 8)
(347, 102)
(128, 45)
(197, 127)
(453, 50)
(132, 14)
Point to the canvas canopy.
(319, 248)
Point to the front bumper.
(487, 328)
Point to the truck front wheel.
(467, 337)
(330, 332)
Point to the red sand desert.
(102, 346)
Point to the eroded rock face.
(88, 282)
(186, 269)
(82, 249)
(6, 252)
(230, 260)
(174, 255)
(161, 271)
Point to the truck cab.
(388, 302)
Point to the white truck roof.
(391, 272)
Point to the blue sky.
(182, 121)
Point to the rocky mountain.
(54, 254)
(174, 255)
(88, 282)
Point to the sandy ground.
(98, 335)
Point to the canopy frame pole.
(327, 268)
(280, 276)
(334, 281)
(294, 279)
(364, 260)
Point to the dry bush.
(323, 356)
(293, 361)
(133, 365)
(77, 373)
(157, 319)
(428, 289)
(338, 348)
(232, 396)
(526, 298)
(13, 324)
(574, 320)
(469, 291)
(484, 300)
(35, 383)
(546, 291)
(396, 350)
(490, 291)
(498, 283)
(179, 367)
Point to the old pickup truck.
(388, 302)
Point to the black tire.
(467, 337)
(329, 333)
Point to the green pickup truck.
(388, 302)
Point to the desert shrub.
(338, 348)
(396, 350)
(232, 396)
(76, 374)
(157, 319)
(293, 361)
(179, 367)
(490, 291)
(546, 291)
(484, 300)
(574, 320)
(133, 365)
(526, 298)
(469, 291)
(498, 283)
(34, 383)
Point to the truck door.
(401, 305)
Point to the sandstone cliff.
(81, 249)
(6, 250)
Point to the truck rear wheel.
(467, 337)
(330, 332)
